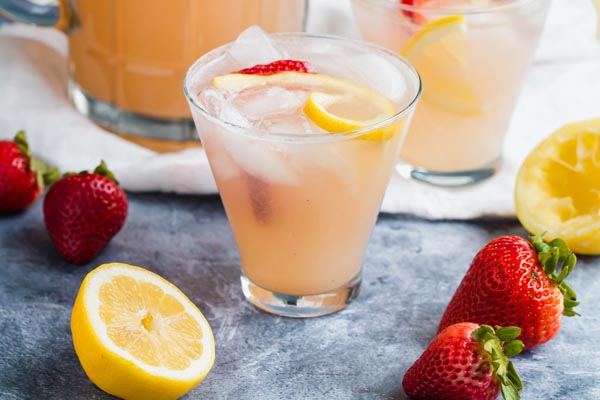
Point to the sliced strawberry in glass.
(415, 17)
(278, 66)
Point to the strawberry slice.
(278, 66)
(415, 17)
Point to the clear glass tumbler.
(302, 206)
(472, 57)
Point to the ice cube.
(213, 100)
(296, 124)
(252, 47)
(267, 101)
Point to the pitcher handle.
(57, 14)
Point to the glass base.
(448, 179)
(314, 305)
(120, 121)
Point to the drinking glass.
(472, 57)
(302, 206)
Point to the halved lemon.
(139, 337)
(558, 187)
(335, 105)
(438, 51)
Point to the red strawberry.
(21, 176)
(514, 282)
(83, 212)
(414, 16)
(468, 362)
(278, 66)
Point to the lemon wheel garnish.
(377, 109)
(558, 187)
(139, 337)
(335, 105)
(438, 51)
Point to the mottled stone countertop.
(412, 268)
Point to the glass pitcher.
(127, 58)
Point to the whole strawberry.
(83, 212)
(514, 282)
(468, 362)
(22, 177)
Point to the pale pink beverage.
(301, 201)
(472, 56)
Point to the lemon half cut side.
(558, 187)
(139, 337)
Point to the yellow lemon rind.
(119, 374)
(460, 98)
(533, 204)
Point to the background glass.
(472, 65)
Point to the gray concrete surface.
(411, 270)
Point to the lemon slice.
(139, 337)
(439, 51)
(339, 113)
(558, 187)
(335, 105)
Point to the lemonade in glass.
(302, 148)
(472, 56)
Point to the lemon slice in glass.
(439, 51)
(334, 105)
(139, 337)
(558, 187)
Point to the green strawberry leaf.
(21, 141)
(550, 256)
(103, 170)
(499, 350)
(508, 333)
(513, 348)
(509, 392)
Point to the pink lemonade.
(472, 56)
(301, 190)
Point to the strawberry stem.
(103, 170)
(43, 173)
(21, 141)
(552, 255)
(501, 344)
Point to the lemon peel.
(558, 187)
(438, 51)
(139, 337)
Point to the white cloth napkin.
(563, 86)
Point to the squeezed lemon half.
(558, 187)
(139, 337)
(439, 51)
(334, 105)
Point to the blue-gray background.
(412, 268)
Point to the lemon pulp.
(137, 336)
(558, 187)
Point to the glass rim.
(317, 137)
(457, 10)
